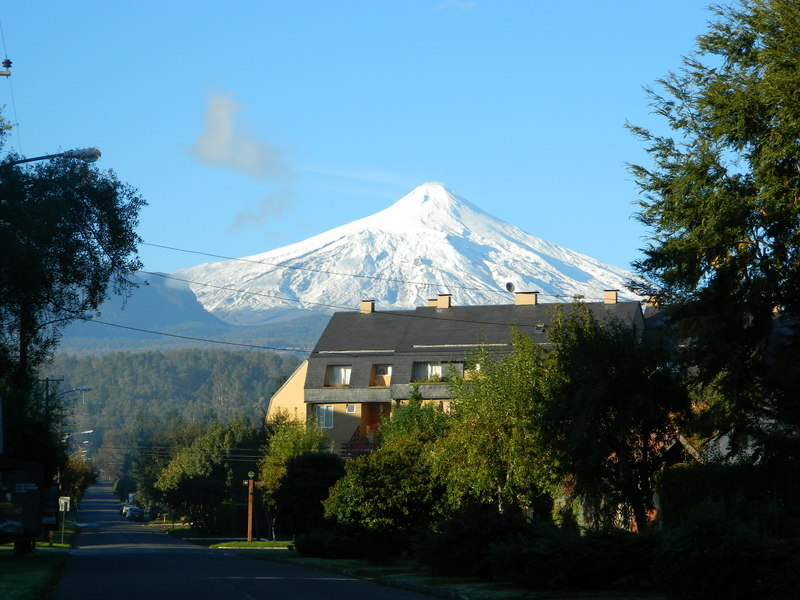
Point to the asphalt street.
(117, 559)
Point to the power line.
(327, 272)
(301, 268)
(406, 314)
(196, 339)
(411, 313)
(240, 291)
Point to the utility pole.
(249, 483)
(47, 381)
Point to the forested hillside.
(133, 392)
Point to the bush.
(722, 553)
(544, 556)
(537, 557)
(771, 489)
(314, 544)
(302, 489)
(123, 486)
(350, 542)
(461, 544)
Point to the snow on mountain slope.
(429, 242)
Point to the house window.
(427, 371)
(324, 414)
(337, 376)
(472, 371)
(381, 375)
(350, 409)
(432, 372)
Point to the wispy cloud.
(226, 142)
(271, 207)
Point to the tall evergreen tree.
(722, 199)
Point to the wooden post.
(249, 483)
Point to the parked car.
(135, 513)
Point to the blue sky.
(250, 125)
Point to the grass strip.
(30, 576)
(401, 573)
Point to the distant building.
(366, 362)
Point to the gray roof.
(428, 333)
(413, 330)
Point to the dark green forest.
(141, 391)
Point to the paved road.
(116, 559)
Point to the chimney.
(367, 307)
(610, 296)
(526, 298)
(431, 301)
(443, 301)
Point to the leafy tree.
(415, 420)
(209, 472)
(288, 438)
(152, 451)
(722, 201)
(67, 240)
(303, 488)
(76, 477)
(494, 450)
(614, 405)
(390, 491)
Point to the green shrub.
(461, 544)
(314, 544)
(722, 551)
(351, 542)
(771, 489)
(123, 486)
(303, 487)
(544, 556)
(537, 557)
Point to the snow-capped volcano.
(428, 242)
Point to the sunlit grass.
(254, 544)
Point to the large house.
(366, 362)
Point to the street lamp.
(61, 411)
(83, 389)
(69, 435)
(87, 155)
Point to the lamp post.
(61, 412)
(69, 435)
(87, 155)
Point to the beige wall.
(344, 424)
(365, 418)
(289, 397)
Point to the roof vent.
(367, 307)
(526, 298)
